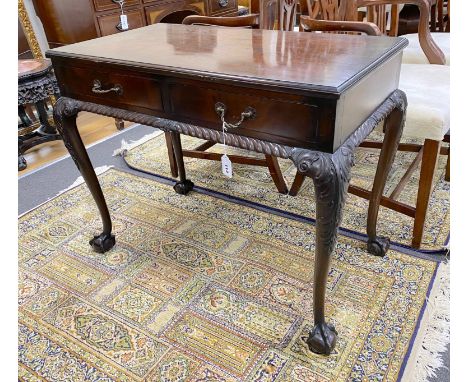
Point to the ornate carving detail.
(66, 108)
(322, 339)
(33, 91)
(187, 129)
(331, 176)
(103, 242)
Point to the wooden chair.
(413, 53)
(427, 89)
(274, 14)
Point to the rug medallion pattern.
(255, 184)
(200, 289)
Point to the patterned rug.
(255, 184)
(201, 289)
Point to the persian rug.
(200, 289)
(255, 184)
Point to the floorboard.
(92, 127)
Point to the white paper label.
(226, 166)
(123, 22)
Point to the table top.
(33, 67)
(297, 60)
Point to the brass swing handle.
(248, 113)
(97, 88)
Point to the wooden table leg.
(377, 245)
(331, 174)
(184, 185)
(170, 153)
(65, 113)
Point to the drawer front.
(107, 5)
(176, 11)
(295, 122)
(138, 92)
(221, 6)
(109, 24)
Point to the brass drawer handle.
(223, 3)
(97, 88)
(248, 113)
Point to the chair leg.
(170, 153)
(276, 174)
(428, 166)
(297, 184)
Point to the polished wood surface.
(294, 79)
(71, 21)
(66, 21)
(325, 62)
(32, 66)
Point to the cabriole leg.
(330, 174)
(65, 113)
(393, 128)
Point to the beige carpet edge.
(434, 332)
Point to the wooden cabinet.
(66, 21)
(107, 5)
(146, 12)
(70, 21)
(110, 23)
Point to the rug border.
(419, 330)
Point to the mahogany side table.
(311, 98)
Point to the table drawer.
(125, 90)
(221, 6)
(106, 5)
(109, 24)
(293, 121)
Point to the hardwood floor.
(92, 128)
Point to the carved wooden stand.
(330, 173)
(34, 88)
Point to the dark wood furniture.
(315, 99)
(70, 21)
(336, 16)
(274, 14)
(36, 84)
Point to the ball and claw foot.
(379, 246)
(21, 163)
(103, 242)
(322, 339)
(183, 187)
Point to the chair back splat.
(278, 14)
(380, 13)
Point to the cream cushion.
(427, 88)
(413, 54)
